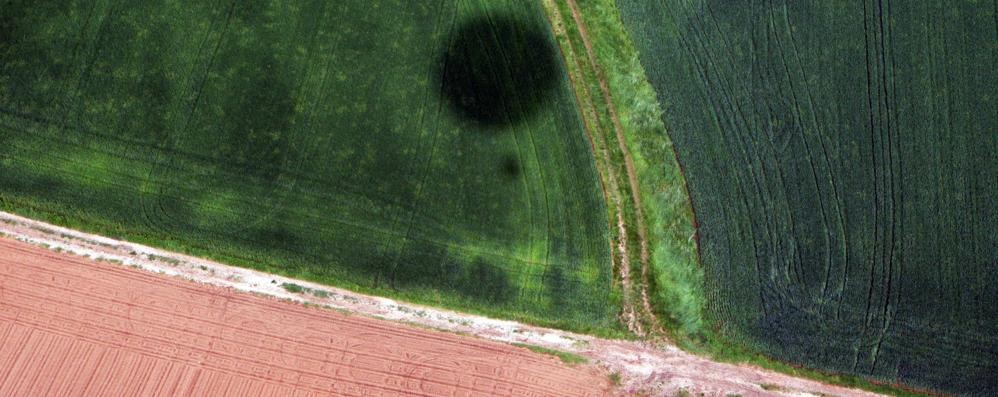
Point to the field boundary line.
(632, 177)
(642, 366)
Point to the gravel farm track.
(111, 317)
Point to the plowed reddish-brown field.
(70, 326)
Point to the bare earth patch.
(71, 326)
(640, 366)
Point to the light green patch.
(565, 357)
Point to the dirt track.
(645, 368)
(72, 326)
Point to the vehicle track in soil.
(632, 175)
(636, 318)
(609, 182)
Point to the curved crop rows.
(841, 158)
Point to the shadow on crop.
(6, 29)
(487, 283)
(497, 72)
(420, 266)
(259, 120)
(510, 167)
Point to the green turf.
(676, 276)
(841, 158)
(315, 139)
(565, 357)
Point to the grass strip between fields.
(676, 281)
(629, 238)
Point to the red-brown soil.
(72, 326)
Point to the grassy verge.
(676, 275)
(627, 228)
(565, 357)
(96, 225)
(677, 278)
(298, 289)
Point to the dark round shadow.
(510, 167)
(497, 71)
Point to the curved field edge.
(839, 159)
(677, 279)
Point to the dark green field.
(842, 159)
(425, 150)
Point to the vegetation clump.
(565, 357)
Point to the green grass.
(293, 288)
(840, 158)
(676, 276)
(614, 378)
(565, 357)
(298, 289)
(314, 140)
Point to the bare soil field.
(644, 368)
(73, 326)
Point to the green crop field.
(842, 160)
(430, 151)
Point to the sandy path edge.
(661, 370)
